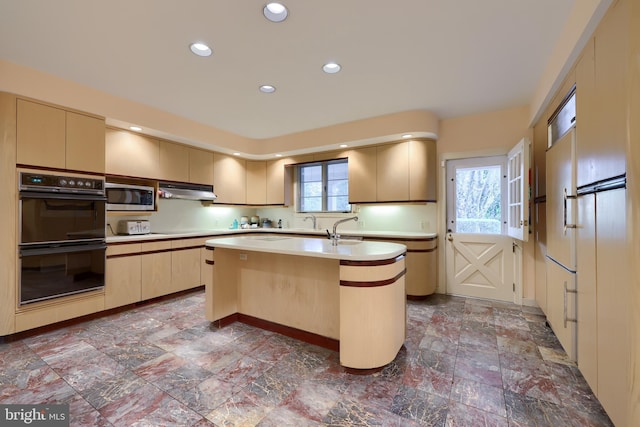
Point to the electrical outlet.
(243, 257)
(361, 223)
(424, 225)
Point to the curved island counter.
(349, 297)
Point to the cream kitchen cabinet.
(363, 163)
(397, 172)
(230, 179)
(200, 166)
(422, 265)
(174, 162)
(123, 275)
(392, 172)
(422, 170)
(52, 137)
(131, 154)
(279, 179)
(185, 263)
(601, 100)
(256, 182)
(156, 269)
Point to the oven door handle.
(61, 249)
(62, 196)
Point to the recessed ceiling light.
(331, 68)
(135, 128)
(267, 89)
(278, 155)
(200, 49)
(236, 154)
(407, 135)
(343, 145)
(275, 12)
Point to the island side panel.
(221, 293)
(372, 314)
(296, 291)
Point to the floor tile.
(465, 362)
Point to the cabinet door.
(275, 181)
(256, 182)
(614, 292)
(40, 135)
(185, 269)
(422, 273)
(422, 170)
(131, 154)
(561, 305)
(85, 146)
(587, 308)
(393, 172)
(122, 281)
(604, 155)
(362, 175)
(156, 275)
(174, 162)
(200, 166)
(229, 179)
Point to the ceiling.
(453, 58)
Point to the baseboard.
(529, 302)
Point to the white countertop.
(352, 250)
(408, 235)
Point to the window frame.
(325, 180)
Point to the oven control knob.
(63, 182)
(87, 184)
(72, 183)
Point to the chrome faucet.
(335, 236)
(312, 218)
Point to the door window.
(476, 195)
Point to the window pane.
(337, 171)
(338, 203)
(312, 189)
(311, 204)
(478, 200)
(338, 188)
(311, 173)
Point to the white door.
(479, 255)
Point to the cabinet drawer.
(131, 248)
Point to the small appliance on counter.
(128, 227)
(266, 223)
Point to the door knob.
(450, 237)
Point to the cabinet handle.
(568, 291)
(565, 196)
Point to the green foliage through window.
(324, 186)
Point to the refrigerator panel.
(561, 190)
(561, 306)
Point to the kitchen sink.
(271, 238)
(349, 242)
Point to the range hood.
(171, 190)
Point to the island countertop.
(349, 250)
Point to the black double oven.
(62, 246)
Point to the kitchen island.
(348, 297)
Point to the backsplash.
(188, 215)
(387, 217)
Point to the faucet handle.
(328, 234)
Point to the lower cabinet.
(140, 271)
(422, 265)
(156, 270)
(123, 276)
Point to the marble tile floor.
(465, 363)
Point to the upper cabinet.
(52, 137)
(230, 179)
(174, 162)
(363, 185)
(392, 167)
(200, 166)
(256, 182)
(601, 90)
(398, 172)
(132, 154)
(279, 177)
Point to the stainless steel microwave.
(127, 197)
